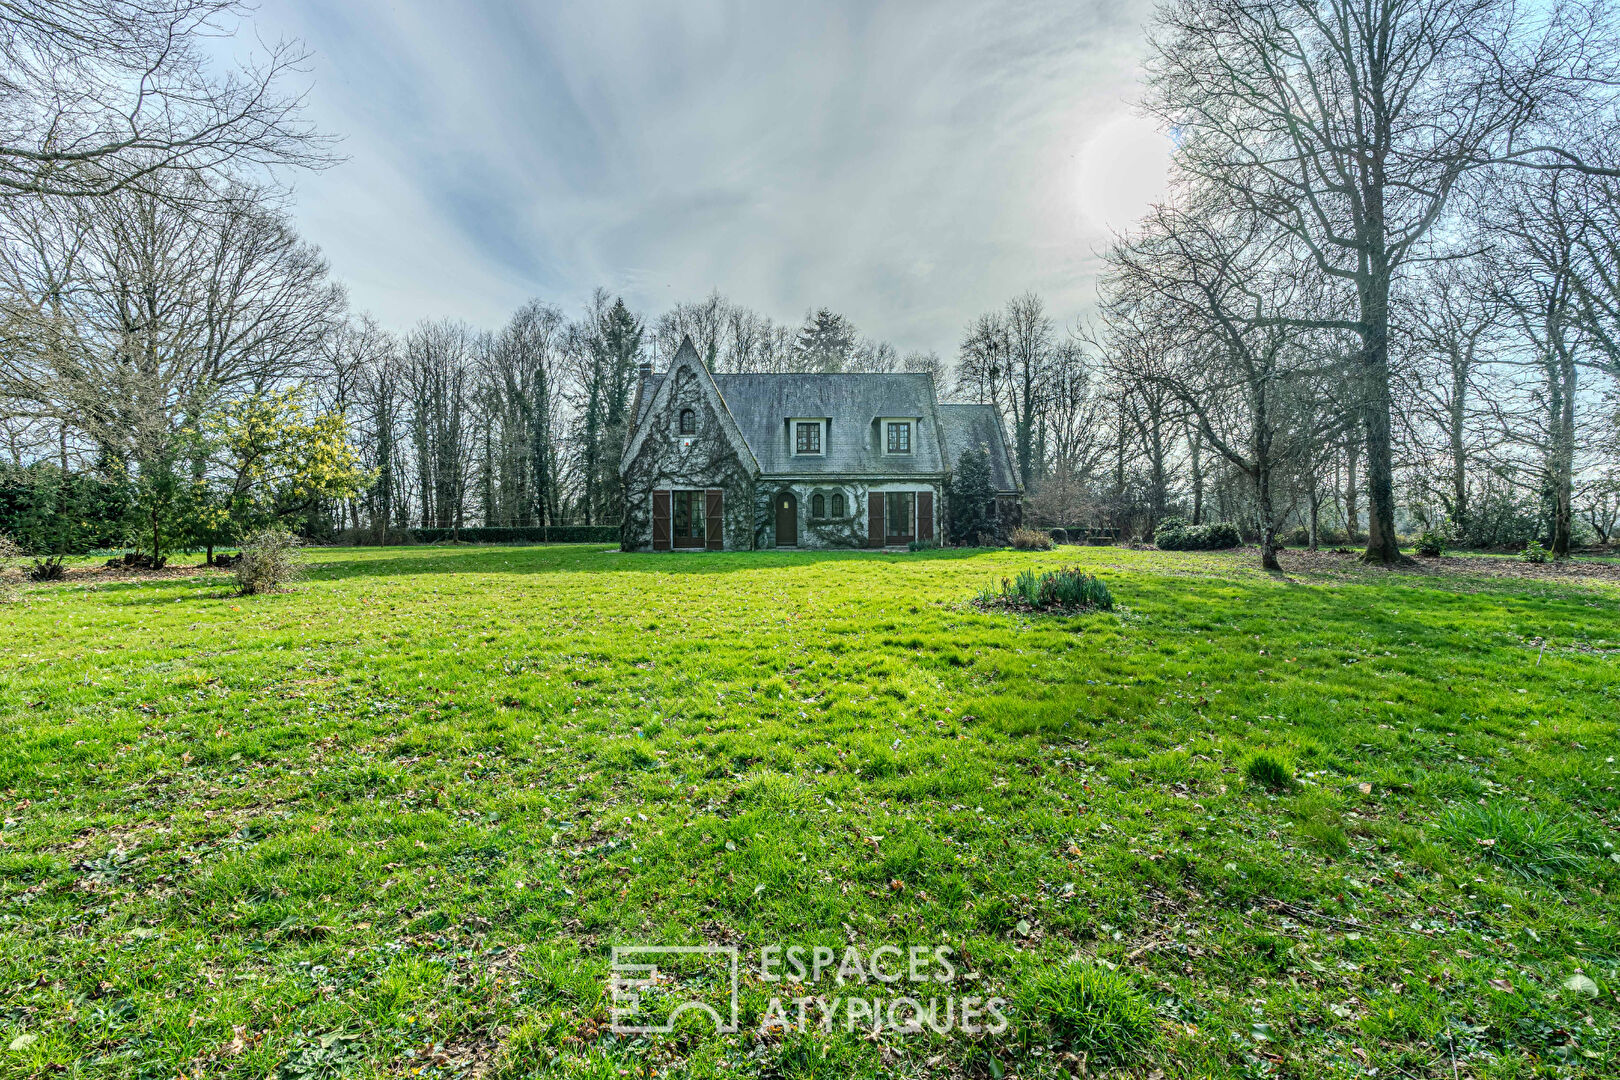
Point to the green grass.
(391, 823)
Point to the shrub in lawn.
(1031, 540)
(1087, 1010)
(1269, 771)
(1526, 842)
(1068, 589)
(269, 562)
(1174, 534)
(1533, 553)
(10, 552)
(1060, 536)
(925, 545)
(50, 568)
(1431, 543)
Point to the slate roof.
(977, 427)
(761, 404)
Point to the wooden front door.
(925, 515)
(787, 520)
(874, 519)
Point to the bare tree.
(1005, 359)
(1204, 306)
(1453, 330)
(438, 370)
(1349, 124)
(1538, 274)
(132, 315)
(103, 95)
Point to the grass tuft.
(1088, 1010)
(1526, 842)
(1269, 771)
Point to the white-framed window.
(806, 436)
(897, 436)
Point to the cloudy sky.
(909, 164)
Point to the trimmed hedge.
(1174, 534)
(539, 534)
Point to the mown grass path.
(390, 823)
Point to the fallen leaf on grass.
(1580, 984)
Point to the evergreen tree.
(826, 341)
(971, 498)
(615, 348)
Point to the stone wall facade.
(847, 531)
(705, 460)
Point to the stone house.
(801, 460)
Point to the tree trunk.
(1316, 513)
(1373, 298)
(1382, 544)
(1352, 511)
(1459, 453)
(1195, 457)
(1265, 523)
(1563, 452)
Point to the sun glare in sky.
(1124, 166)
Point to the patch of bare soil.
(90, 575)
(1503, 566)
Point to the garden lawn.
(391, 822)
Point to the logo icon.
(652, 985)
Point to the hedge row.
(1174, 534)
(539, 534)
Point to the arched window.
(838, 504)
(688, 422)
(818, 506)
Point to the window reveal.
(689, 517)
(897, 514)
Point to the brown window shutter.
(660, 521)
(716, 537)
(874, 519)
(925, 515)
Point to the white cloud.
(910, 164)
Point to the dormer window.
(688, 422)
(899, 436)
(807, 436)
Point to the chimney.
(646, 369)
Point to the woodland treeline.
(1382, 298)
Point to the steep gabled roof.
(763, 403)
(977, 427)
(756, 407)
(687, 357)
